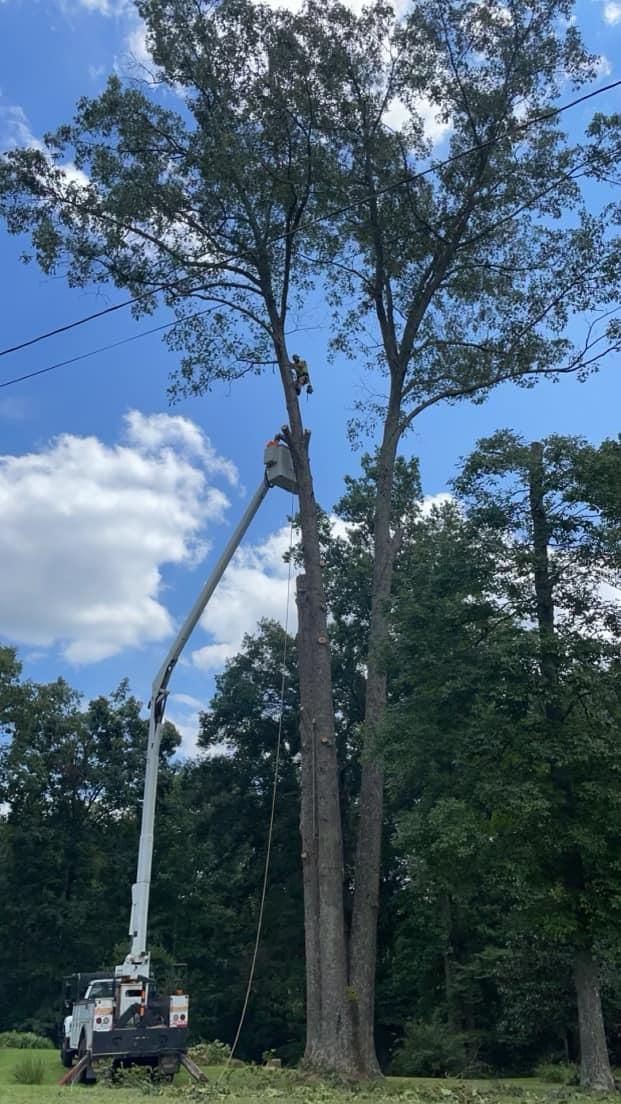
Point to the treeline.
(501, 885)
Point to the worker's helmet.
(296, 356)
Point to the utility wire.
(103, 348)
(72, 325)
(409, 178)
(270, 834)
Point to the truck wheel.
(66, 1054)
(167, 1067)
(81, 1053)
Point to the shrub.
(210, 1054)
(24, 1040)
(430, 1050)
(557, 1073)
(29, 1070)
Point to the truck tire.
(167, 1067)
(66, 1054)
(81, 1053)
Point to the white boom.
(278, 473)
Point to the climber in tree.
(301, 377)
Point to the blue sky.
(114, 504)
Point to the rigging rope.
(270, 834)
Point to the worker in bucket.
(301, 378)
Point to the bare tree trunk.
(308, 830)
(329, 1037)
(363, 940)
(332, 1048)
(595, 1072)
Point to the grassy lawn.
(251, 1085)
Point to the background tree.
(550, 556)
(71, 783)
(218, 810)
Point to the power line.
(103, 348)
(79, 322)
(409, 178)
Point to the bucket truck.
(118, 1014)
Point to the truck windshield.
(101, 988)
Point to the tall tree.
(555, 574)
(229, 202)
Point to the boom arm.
(278, 473)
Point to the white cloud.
(16, 129)
(153, 432)
(189, 700)
(15, 132)
(397, 116)
(612, 13)
(135, 49)
(603, 65)
(435, 501)
(184, 712)
(86, 529)
(104, 7)
(254, 586)
(100, 7)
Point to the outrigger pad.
(81, 1071)
(190, 1065)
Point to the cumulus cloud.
(254, 586)
(87, 527)
(152, 432)
(136, 45)
(612, 13)
(184, 712)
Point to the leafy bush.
(29, 1070)
(430, 1050)
(210, 1054)
(557, 1073)
(24, 1040)
(138, 1078)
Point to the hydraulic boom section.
(278, 473)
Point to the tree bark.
(595, 1072)
(308, 831)
(363, 940)
(331, 1050)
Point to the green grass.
(250, 1085)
